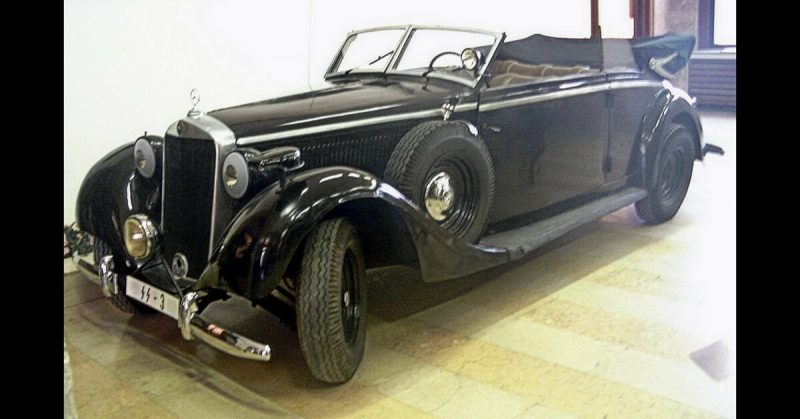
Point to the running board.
(523, 240)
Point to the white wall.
(129, 64)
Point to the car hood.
(332, 103)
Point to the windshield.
(432, 51)
(367, 51)
(424, 45)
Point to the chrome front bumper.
(190, 321)
(193, 325)
(84, 264)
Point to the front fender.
(259, 243)
(111, 191)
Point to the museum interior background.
(129, 65)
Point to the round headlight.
(470, 58)
(235, 175)
(140, 235)
(144, 157)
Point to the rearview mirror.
(471, 59)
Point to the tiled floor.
(598, 324)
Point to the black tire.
(669, 178)
(120, 301)
(331, 301)
(437, 147)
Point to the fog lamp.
(140, 235)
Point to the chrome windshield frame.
(390, 67)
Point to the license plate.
(152, 296)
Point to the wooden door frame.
(640, 10)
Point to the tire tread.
(407, 157)
(318, 309)
(649, 209)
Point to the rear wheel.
(331, 301)
(120, 300)
(669, 179)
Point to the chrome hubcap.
(439, 196)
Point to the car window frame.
(389, 69)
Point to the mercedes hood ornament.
(194, 97)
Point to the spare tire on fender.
(446, 170)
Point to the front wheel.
(670, 176)
(331, 301)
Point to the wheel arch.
(687, 120)
(266, 238)
(385, 237)
(383, 232)
(670, 105)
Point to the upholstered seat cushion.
(509, 72)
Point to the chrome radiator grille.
(188, 200)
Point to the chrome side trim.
(440, 76)
(458, 108)
(209, 128)
(634, 83)
(339, 126)
(336, 115)
(463, 107)
(560, 94)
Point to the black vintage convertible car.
(446, 150)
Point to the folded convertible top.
(647, 51)
(664, 55)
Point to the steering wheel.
(439, 55)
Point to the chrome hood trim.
(318, 129)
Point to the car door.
(630, 97)
(547, 139)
